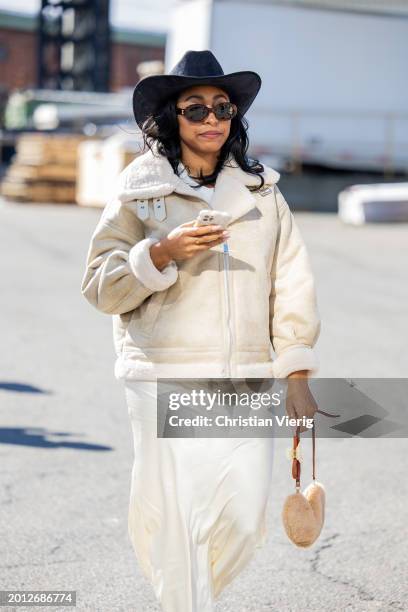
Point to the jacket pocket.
(151, 312)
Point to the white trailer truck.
(334, 89)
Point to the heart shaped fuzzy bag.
(303, 513)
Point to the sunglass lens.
(224, 110)
(196, 112)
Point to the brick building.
(18, 52)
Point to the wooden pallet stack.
(99, 164)
(44, 168)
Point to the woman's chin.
(208, 147)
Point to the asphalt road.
(66, 447)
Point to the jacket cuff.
(144, 269)
(295, 358)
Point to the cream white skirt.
(197, 508)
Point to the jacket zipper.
(228, 308)
(227, 303)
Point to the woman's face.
(193, 134)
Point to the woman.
(200, 302)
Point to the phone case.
(209, 216)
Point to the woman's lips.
(211, 135)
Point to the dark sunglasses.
(199, 112)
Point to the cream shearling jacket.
(243, 309)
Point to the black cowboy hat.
(194, 68)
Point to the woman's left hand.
(299, 399)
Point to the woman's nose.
(212, 118)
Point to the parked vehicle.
(360, 204)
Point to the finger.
(207, 245)
(203, 229)
(207, 238)
(187, 223)
(303, 413)
(309, 411)
(291, 414)
(290, 409)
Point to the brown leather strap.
(296, 439)
(295, 462)
(327, 413)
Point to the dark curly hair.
(162, 129)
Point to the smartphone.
(209, 216)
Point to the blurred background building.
(334, 99)
(20, 39)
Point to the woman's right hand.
(185, 241)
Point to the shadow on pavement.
(21, 388)
(36, 436)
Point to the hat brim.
(152, 91)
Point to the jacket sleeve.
(120, 273)
(294, 317)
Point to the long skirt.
(197, 508)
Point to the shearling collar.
(151, 175)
